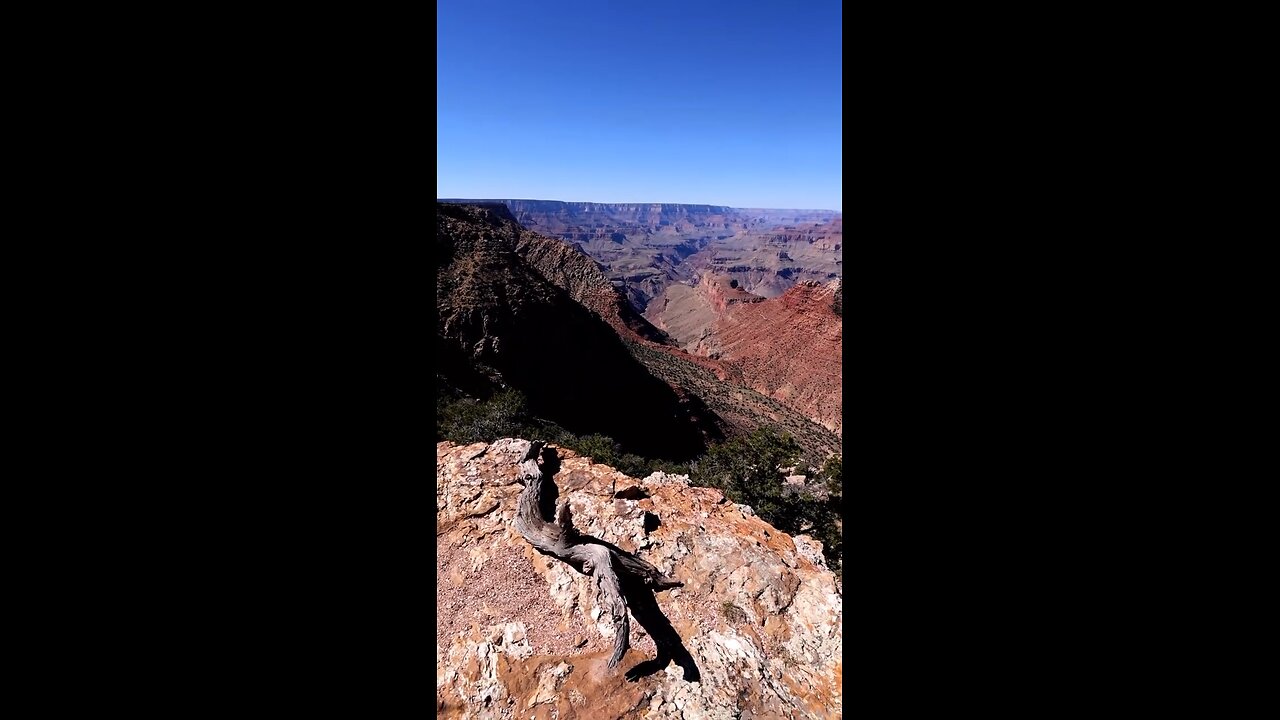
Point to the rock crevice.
(517, 634)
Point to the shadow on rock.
(639, 595)
(550, 490)
(643, 604)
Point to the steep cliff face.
(502, 323)
(517, 634)
(788, 348)
(688, 314)
(514, 304)
(708, 387)
(577, 274)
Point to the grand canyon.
(639, 266)
(747, 296)
(676, 332)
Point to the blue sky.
(726, 103)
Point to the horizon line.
(632, 202)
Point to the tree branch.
(588, 555)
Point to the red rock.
(759, 613)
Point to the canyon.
(643, 248)
(724, 343)
(520, 309)
(707, 296)
(788, 347)
(502, 324)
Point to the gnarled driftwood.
(586, 554)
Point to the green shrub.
(466, 420)
(732, 613)
(607, 451)
(600, 448)
(633, 465)
(831, 475)
(669, 467)
(749, 470)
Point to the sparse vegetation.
(749, 469)
(732, 613)
(464, 420)
(739, 406)
(832, 476)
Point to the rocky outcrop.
(519, 634)
(724, 292)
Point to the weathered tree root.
(586, 554)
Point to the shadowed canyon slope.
(646, 247)
(501, 323)
(711, 394)
(520, 634)
(567, 267)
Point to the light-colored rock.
(528, 656)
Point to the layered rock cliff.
(788, 348)
(688, 313)
(567, 267)
(517, 634)
(524, 310)
(501, 323)
(707, 385)
(645, 247)
(766, 261)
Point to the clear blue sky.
(726, 103)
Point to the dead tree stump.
(585, 554)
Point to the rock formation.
(521, 634)
(501, 323)
(767, 261)
(788, 348)
(567, 267)
(645, 247)
(513, 305)
(688, 313)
